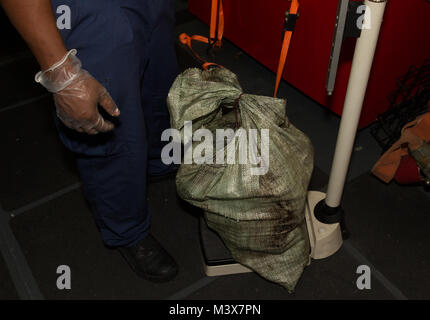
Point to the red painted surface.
(256, 27)
(408, 171)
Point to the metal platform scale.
(324, 214)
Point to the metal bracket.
(352, 30)
(290, 21)
(345, 26)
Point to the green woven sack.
(260, 217)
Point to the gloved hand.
(77, 95)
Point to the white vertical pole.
(357, 85)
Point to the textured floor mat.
(331, 278)
(34, 163)
(17, 79)
(389, 224)
(7, 288)
(62, 232)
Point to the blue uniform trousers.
(128, 46)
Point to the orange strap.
(216, 32)
(285, 47)
(217, 19)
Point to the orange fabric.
(414, 134)
(285, 47)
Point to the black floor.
(51, 225)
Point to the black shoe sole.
(140, 274)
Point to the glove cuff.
(61, 74)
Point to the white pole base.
(325, 239)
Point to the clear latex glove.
(77, 95)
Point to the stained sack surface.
(255, 200)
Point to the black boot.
(150, 260)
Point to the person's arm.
(35, 21)
(76, 93)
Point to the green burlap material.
(260, 218)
